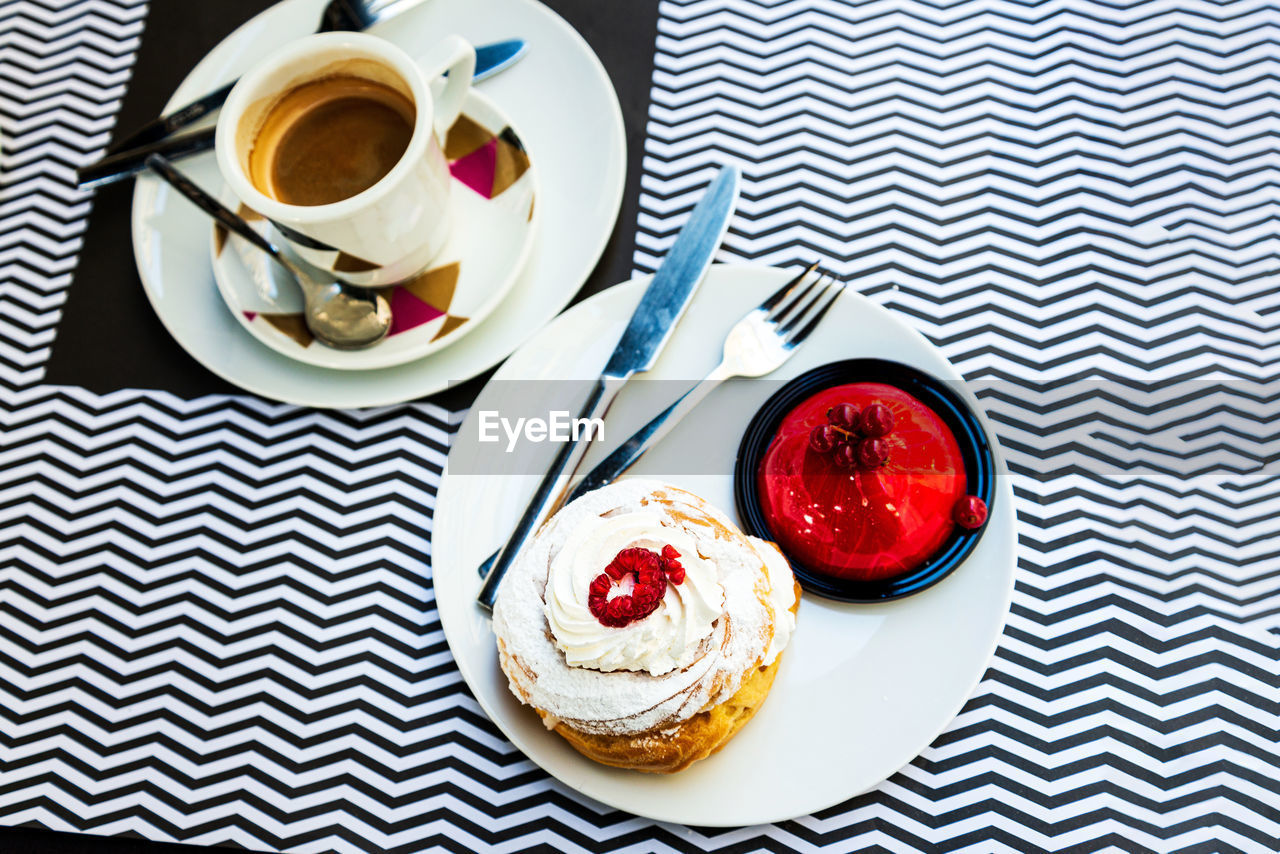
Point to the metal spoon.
(346, 317)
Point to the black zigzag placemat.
(213, 621)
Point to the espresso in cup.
(336, 140)
(330, 139)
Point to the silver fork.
(338, 16)
(758, 344)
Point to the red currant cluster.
(652, 572)
(854, 438)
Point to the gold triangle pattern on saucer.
(435, 287)
(425, 299)
(465, 136)
(511, 161)
(486, 161)
(451, 323)
(347, 263)
(292, 325)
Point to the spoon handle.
(160, 164)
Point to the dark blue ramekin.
(938, 395)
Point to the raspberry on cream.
(664, 640)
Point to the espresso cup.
(393, 228)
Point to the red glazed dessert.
(859, 491)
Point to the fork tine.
(835, 289)
(793, 302)
(343, 16)
(781, 292)
(824, 282)
(386, 8)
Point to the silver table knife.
(661, 307)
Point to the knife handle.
(157, 129)
(546, 499)
(626, 454)
(129, 163)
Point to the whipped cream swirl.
(665, 640)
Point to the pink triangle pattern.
(477, 169)
(409, 312)
(250, 315)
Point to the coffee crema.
(330, 139)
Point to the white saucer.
(861, 690)
(492, 232)
(560, 98)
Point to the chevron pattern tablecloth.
(216, 623)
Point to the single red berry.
(654, 590)
(671, 566)
(646, 605)
(970, 512)
(872, 453)
(823, 438)
(635, 559)
(845, 456)
(843, 415)
(877, 420)
(598, 607)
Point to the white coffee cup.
(394, 229)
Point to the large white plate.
(862, 689)
(558, 95)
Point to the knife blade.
(129, 156)
(663, 304)
(126, 164)
(158, 129)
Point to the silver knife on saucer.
(651, 324)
